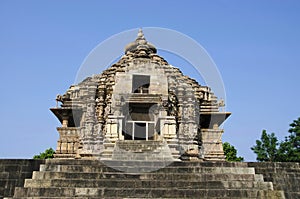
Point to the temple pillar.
(65, 122)
(212, 147)
(113, 133)
(168, 133)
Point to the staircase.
(142, 150)
(94, 179)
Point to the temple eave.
(211, 118)
(63, 113)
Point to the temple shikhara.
(141, 101)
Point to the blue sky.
(255, 45)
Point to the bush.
(48, 154)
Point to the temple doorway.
(139, 124)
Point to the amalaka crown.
(140, 43)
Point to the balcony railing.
(139, 130)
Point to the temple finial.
(140, 42)
(140, 34)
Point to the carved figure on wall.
(190, 112)
(172, 104)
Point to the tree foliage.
(48, 154)
(231, 153)
(289, 150)
(268, 149)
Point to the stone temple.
(140, 100)
(141, 129)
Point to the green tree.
(289, 150)
(266, 149)
(48, 154)
(231, 153)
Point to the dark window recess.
(140, 113)
(151, 131)
(128, 131)
(140, 131)
(140, 83)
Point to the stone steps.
(139, 145)
(141, 150)
(283, 170)
(143, 192)
(85, 177)
(154, 176)
(170, 169)
(82, 197)
(94, 179)
(144, 163)
(129, 183)
(4, 175)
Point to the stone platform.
(59, 178)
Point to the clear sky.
(255, 44)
